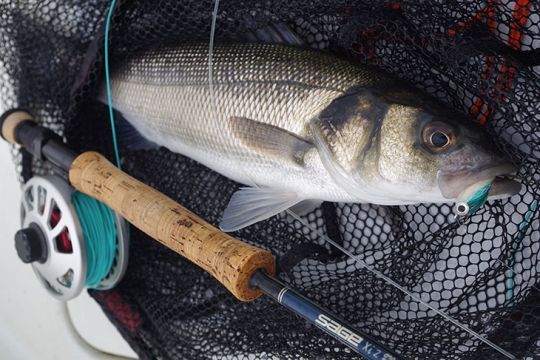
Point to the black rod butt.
(16, 116)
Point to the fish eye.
(438, 137)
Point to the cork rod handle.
(229, 260)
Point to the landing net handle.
(229, 260)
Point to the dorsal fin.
(275, 33)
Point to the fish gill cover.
(414, 278)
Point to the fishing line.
(109, 95)
(213, 101)
(324, 237)
(211, 54)
(401, 288)
(99, 229)
(477, 200)
(522, 229)
(515, 246)
(108, 84)
(98, 221)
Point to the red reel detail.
(63, 242)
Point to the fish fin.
(269, 139)
(250, 205)
(305, 207)
(130, 138)
(275, 33)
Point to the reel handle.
(229, 260)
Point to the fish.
(298, 127)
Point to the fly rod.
(246, 271)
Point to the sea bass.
(299, 125)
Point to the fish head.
(399, 147)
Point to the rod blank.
(316, 315)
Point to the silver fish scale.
(167, 96)
(272, 63)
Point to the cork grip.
(229, 260)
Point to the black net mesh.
(480, 57)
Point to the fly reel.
(52, 239)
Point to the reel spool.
(52, 239)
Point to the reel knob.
(31, 244)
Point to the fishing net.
(413, 277)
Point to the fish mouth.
(503, 184)
(503, 187)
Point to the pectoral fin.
(270, 140)
(250, 205)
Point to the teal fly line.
(98, 221)
(515, 247)
(99, 228)
(108, 83)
